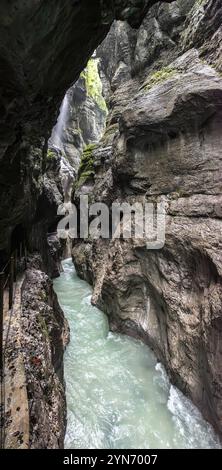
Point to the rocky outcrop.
(81, 123)
(163, 144)
(82, 116)
(16, 419)
(40, 234)
(44, 337)
(44, 47)
(38, 40)
(204, 31)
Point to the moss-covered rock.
(86, 167)
(199, 2)
(50, 155)
(93, 84)
(52, 160)
(109, 134)
(158, 77)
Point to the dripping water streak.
(56, 138)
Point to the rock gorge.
(160, 64)
(162, 144)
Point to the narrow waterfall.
(56, 138)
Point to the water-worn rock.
(43, 48)
(82, 117)
(44, 337)
(38, 233)
(81, 123)
(204, 30)
(167, 148)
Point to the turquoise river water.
(118, 395)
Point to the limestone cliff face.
(163, 144)
(45, 334)
(84, 117)
(44, 47)
(81, 123)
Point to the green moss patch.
(86, 167)
(109, 134)
(158, 77)
(50, 155)
(93, 84)
(200, 2)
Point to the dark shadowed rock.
(44, 46)
(44, 337)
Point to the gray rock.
(167, 147)
(45, 335)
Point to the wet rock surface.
(45, 335)
(162, 144)
(40, 58)
(41, 234)
(44, 46)
(16, 418)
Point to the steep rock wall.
(162, 144)
(40, 58)
(45, 334)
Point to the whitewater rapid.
(118, 396)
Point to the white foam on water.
(87, 300)
(189, 422)
(118, 396)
